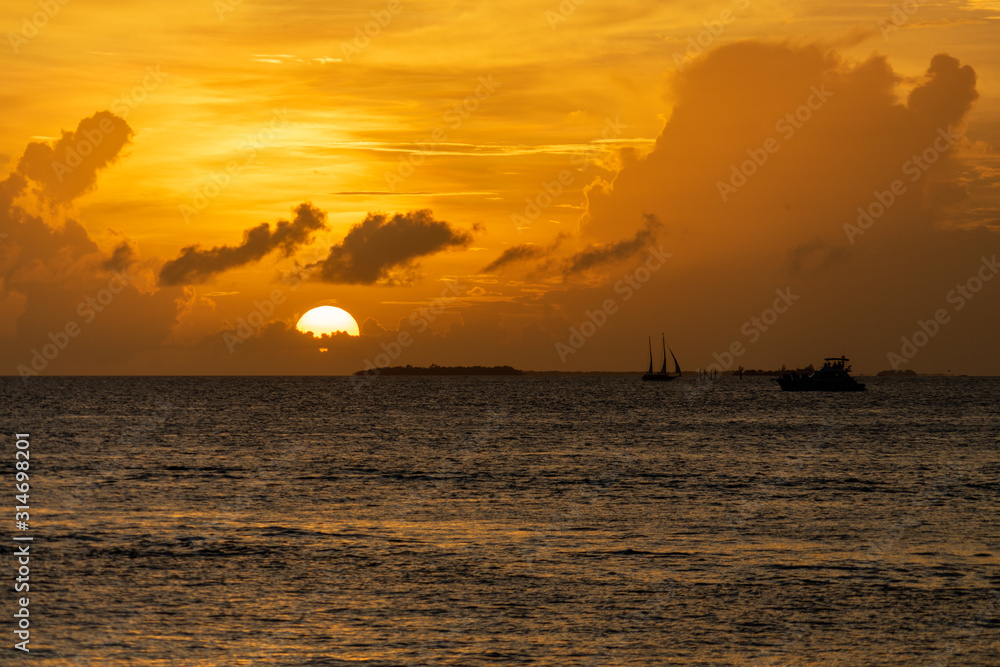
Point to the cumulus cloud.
(123, 255)
(54, 277)
(947, 94)
(847, 182)
(195, 265)
(602, 253)
(67, 168)
(770, 145)
(381, 243)
(33, 250)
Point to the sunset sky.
(539, 184)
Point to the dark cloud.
(602, 253)
(523, 253)
(947, 94)
(814, 255)
(371, 327)
(68, 168)
(49, 267)
(33, 250)
(54, 278)
(195, 265)
(123, 255)
(518, 253)
(380, 243)
(10, 188)
(836, 132)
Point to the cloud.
(596, 254)
(371, 327)
(195, 265)
(526, 251)
(380, 243)
(846, 181)
(814, 255)
(33, 250)
(518, 253)
(948, 93)
(836, 132)
(123, 255)
(68, 168)
(54, 278)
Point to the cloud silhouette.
(68, 168)
(597, 253)
(771, 145)
(34, 251)
(518, 253)
(53, 275)
(123, 255)
(947, 94)
(380, 243)
(195, 265)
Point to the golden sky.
(541, 184)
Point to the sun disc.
(327, 320)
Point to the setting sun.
(327, 320)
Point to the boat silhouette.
(663, 375)
(833, 376)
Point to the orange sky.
(539, 184)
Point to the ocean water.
(508, 520)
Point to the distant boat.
(833, 376)
(662, 376)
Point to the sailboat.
(662, 376)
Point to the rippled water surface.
(537, 520)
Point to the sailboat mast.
(650, 341)
(664, 369)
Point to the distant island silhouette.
(897, 373)
(434, 369)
